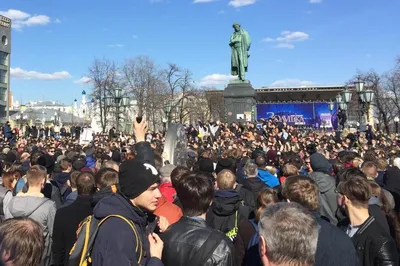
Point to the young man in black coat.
(68, 218)
(228, 209)
(374, 246)
(334, 247)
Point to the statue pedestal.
(240, 102)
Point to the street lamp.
(167, 110)
(331, 106)
(396, 122)
(119, 102)
(365, 98)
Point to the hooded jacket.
(255, 185)
(269, 179)
(115, 242)
(326, 185)
(38, 208)
(222, 214)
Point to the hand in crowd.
(156, 245)
(140, 130)
(163, 224)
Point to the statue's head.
(236, 26)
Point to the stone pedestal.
(240, 102)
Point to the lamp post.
(396, 122)
(119, 102)
(365, 98)
(167, 110)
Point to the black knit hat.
(135, 177)
(206, 165)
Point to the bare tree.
(383, 102)
(141, 75)
(181, 90)
(104, 79)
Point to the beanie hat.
(135, 177)
(78, 164)
(206, 165)
(223, 164)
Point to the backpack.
(80, 254)
(252, 256)
(232, 234)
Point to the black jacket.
(374, 246)
(65, 225)
(226, 210)
(183, 239)
(255, 185)
(247, 196)
(334, 247)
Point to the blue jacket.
(115, 242)
(268, 178)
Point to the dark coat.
(65, 225)
(334, 247)
(245, 233)
(374, 246)
(183, 239)
(227, 205)
(255, 185)
(116, 242)
(247, 196)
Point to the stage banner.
(324, 118)
(296, 114)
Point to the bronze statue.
(240, 46)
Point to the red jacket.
(169, 210)
(168, 191)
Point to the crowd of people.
(248, 194)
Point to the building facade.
(5, 54)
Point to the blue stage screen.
(300, 114)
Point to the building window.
(3, 58)
(3, 76)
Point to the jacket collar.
(193, 221)
(364, 226)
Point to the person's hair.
(289, 170)
(36, 174)
(357, 190)
(250, 169)
(265, 197)
(110, 164)
(65, 164)
(261, 161)
(381, 164)
(226, 180)
(290, 233)
(9, 178)
(303, 190)
(369, 169)
(74, 175)
(195, 193)
(349, 173)
(178, 173)
(35, 156)
(85, 184)
(387, 210)
(106, 177)
(21, 242)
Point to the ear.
(262, 248)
